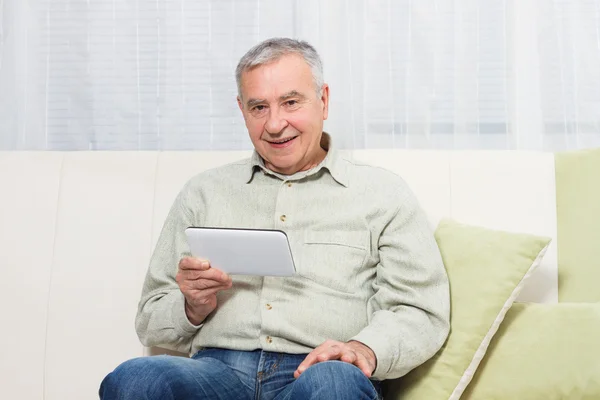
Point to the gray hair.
(273, 49)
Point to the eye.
(291, 103)
(258, 110)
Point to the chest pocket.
(333, 259)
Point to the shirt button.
(289, 184)
(282, 218)
(269, 306)
(268, 339)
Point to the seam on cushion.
(450, 186)
(56, 220)
(154, 194)
(147, 350)
(482, 349)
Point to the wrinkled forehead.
(274, 79)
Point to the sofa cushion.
(578, 220)
(542, 351)
(487, 270)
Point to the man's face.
(284, 114)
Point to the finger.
(191, 263)
(312, 357)
(213, 274)
(349, 356)
(364, 365)
(324, 355)
(204, 284)
(330, 353)
(216, 275)
(198, 295)
(194, 263)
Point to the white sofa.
(77, 230)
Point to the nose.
(276, 122)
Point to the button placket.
(281, 217)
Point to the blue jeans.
(236, 375)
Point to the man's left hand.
(352, 352)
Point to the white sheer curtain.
(158, 74)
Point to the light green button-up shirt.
(368, 267)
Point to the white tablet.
(261, 252)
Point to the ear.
(240, 104)
(325, 100)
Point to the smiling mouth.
(282, 141)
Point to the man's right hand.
(199, 284)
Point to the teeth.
(287, 140)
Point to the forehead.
(283, 75)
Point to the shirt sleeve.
(410, 310)
(161, 319)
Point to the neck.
(315, 160)
(319, 156)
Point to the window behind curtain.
(158, 74)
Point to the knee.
(333, 369)
(140, 378)
(336, 379)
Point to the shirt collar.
(332, 162)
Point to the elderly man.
(370, 299)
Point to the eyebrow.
(293, 93)
(253, 102)
(290, 94)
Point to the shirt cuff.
(380, 343)
(183, 326)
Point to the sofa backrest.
(77, 230)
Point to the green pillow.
(578, 218)
(487, 270)
(542, 351)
